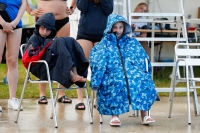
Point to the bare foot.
(82, 79)
(77, 78)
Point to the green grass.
(31, 91)
(161, 79)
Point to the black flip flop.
(43, 100)
(80, 104)
(64, 99)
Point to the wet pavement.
(36, 119)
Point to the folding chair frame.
(49, 81)
(186, 57)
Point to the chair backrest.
(28, 70)
(22, 49)
(189, 52)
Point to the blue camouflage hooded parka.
(114, 78)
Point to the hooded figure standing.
(121, 73)
(65, 56)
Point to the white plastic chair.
(49, 81)
(186, 55)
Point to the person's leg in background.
(87, 46)
(12, 51)
(146, 119)
(61, 95)
(148, 51)
(146, 48)
(2, 45)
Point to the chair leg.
(188, 103)
(55, 99)
(22, 96)
(149, 112)
(175, 74)
(188, 95)
(173, 90)
(52, 103)
(195, 98)
(92, 106)
(88, 102)
(136, 113)
(171, 101)
(101, 118)
(92, 101)
(195, 101)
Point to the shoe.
(115, 121)
(146, 120)
(77, 107)
(43, 100)
(5, 80)
(64, 99)
(13, 104)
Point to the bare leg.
(42, 87)
(61, 92)
(2, 43)
(74, 70)
(87, 46)
(146, 48)
(148, 51)
(145, 113)
(75, 77)
(12, 51)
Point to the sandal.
(64, 99)
(115, 121)
(43, 100)
(147, 120)
(77, 107)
